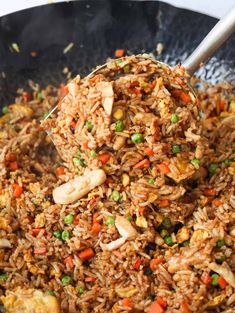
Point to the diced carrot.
(104, 158)
(162, 302)
(222, 105)
(90, 279)
(127, 302)
(64, 90)
(209, 192)
(95, 215)
(164, 203)
(85, 145)
(26, 96)
(119, 53)
(59, 171)
(76, 220)
(69, 261)
(10, 157)
(183, 96)
(96, 228)
(17, 190)
(142, 164)
(13, 166)
(34, 54)
(86, 254)
(136, 265)
(222, 282)
(148, 151)
(36, 231)
(206, 278)
(155, 308)
(217, 202)
(40, 250)
(154, 83)
(163, 168)
(185, 306)
(155, 262)
(141, 209)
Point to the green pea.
(148, 271)
(176, 149)
(214, 279)
(169, 241)
(174, 118)
(130, 218)
(185, 243)
(68, 219)
(50, 292)
(118, 61)
(115, 195)
(166, 222)
(5, 110)
(78, 162)
(220, 243)
(195, 162)
(110, 221)
(213, 167)
(89, 126)
(4, 276)
(57, 234)
(65, 234)
(126, 68)
(81, 290)
(226, 161)
(151, 181)
(93, 154)
(66, 280)
(137, 138)
(119, 126)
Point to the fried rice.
(156, 232)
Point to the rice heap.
(151, 226)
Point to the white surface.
(216, 8)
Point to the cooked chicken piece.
(23, 300)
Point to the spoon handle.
(215, 38)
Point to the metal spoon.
(214, 40)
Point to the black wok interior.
(97, 28)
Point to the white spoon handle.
(216, 37)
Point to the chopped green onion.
(57, 234)
(110, 221)
(89, 126)
(137, 138)
(50, 292)
(214, 279)
(168, 240)
(166, 222)
(185, 243)
(66, 280)
(115, 195)
(15, 47)
(5, 110)
(78, 154)
(39, 95)
(68, 219)
(118, 61)
(213, 167)
(220, 259)
(164, 233)
(78, 162)
(93, 154)
(130, 218)
(195, 162)
(226, 161)
(45, 115)
(65, 234)
(4, 276)
(220, 243)
(148, 271)
(81, 290)
(175, 149)
(174, 118)
(126, 68)
(119, 126)
(151, 181)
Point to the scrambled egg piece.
(40, 220)
(29, 301)
(126, 292)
